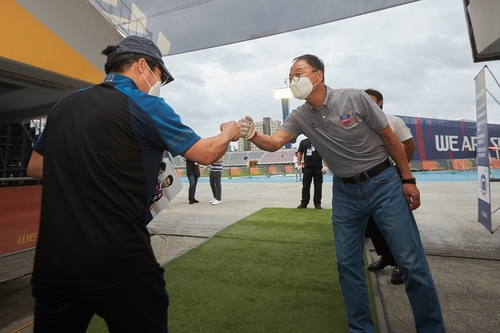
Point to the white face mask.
(302, 88)
(154, 90)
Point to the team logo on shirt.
(109, 78)
(346, 120)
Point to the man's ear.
(140, 65)
(322, 77)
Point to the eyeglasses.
(164, 78)
(288, 80)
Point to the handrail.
(15, 179)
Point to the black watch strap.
(409, 181)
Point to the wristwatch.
(409, 181)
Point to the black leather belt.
(359, 178)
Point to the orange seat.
(495, 163)
(429, 165)
(460, 165)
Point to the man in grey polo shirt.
(353, 136)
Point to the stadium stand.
(283, 156)
(242, 158)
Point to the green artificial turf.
(274, 271)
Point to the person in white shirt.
(216, 181)
(404, 135)
(298, 168)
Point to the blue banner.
(441, 139)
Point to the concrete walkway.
(464, 257)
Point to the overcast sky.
(418, 55)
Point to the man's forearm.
(35, 166)
(220, 142)
(399, 157)
(396, 151)
(409, 148)
(207, 150)
(271, 142)
(265, 142)
(299, 158)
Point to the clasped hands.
(247, 128)
(243, 129)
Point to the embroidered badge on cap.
(346, 120)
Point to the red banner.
(19, 217)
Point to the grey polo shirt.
(343, 130)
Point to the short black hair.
(122, 61)
(375, 93)
(171, 179)
(313, 61)
(163, 166)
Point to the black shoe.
(380, 264)
(397, 276)
(301, 206)
(318, 207)
(195, 201)
(191, 202)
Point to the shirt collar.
(329, 95)
(119, 79)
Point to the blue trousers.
(139, 305)
(382, 197)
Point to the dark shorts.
(135, 306)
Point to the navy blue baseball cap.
(145, 46)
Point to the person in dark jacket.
(98, 157)
(193, 173)
(312, 168)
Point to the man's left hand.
(412, 195)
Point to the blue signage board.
(483, 156)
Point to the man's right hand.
(233, 128)
(247, 129)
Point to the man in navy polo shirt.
(98, 157)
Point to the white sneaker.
(212, 201)
(216, 202)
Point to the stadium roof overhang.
(50, 48)
(484, 28)
(190, 25)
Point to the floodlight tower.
(284, 94)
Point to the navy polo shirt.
(102, 147)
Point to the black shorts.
(135, 306)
